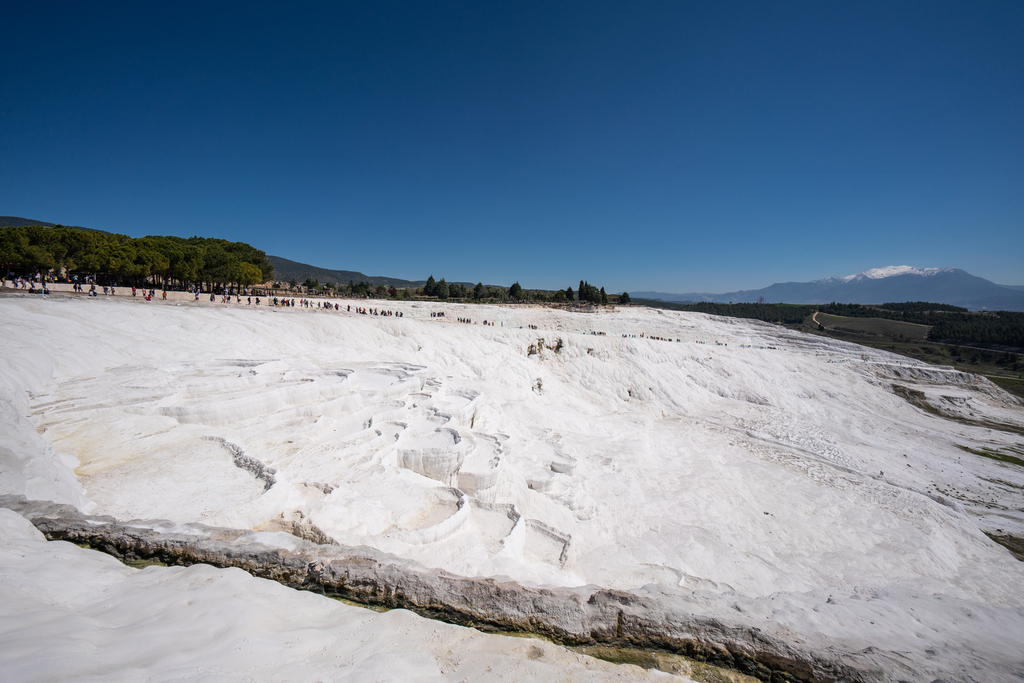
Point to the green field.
(880, 326)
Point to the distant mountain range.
(876, 286)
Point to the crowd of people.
(27, 281)
(147, 294)
(29, 284)
(375, 311)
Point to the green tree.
(588, 293)
(442, 289)
(515, 291)
(479, 292)
(23, 248)
(249, 274)
(218, 262)
(624, 298)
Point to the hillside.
(18, 222)
(285, 270)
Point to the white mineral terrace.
(732, 467)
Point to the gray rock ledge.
(585, 615)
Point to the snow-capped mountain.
(890, 271)
(876, 286)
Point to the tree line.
(999, 328)
(171, 262)
(441, 289)
(433, 288)
(586, 293)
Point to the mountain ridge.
(286, 269)
(19, 222)
(875, 286)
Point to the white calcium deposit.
(729, 466)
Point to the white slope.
(727, 465)
(68, 614)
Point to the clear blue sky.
(671, 146)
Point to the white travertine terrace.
(734, 468)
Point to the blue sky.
(668, 146)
